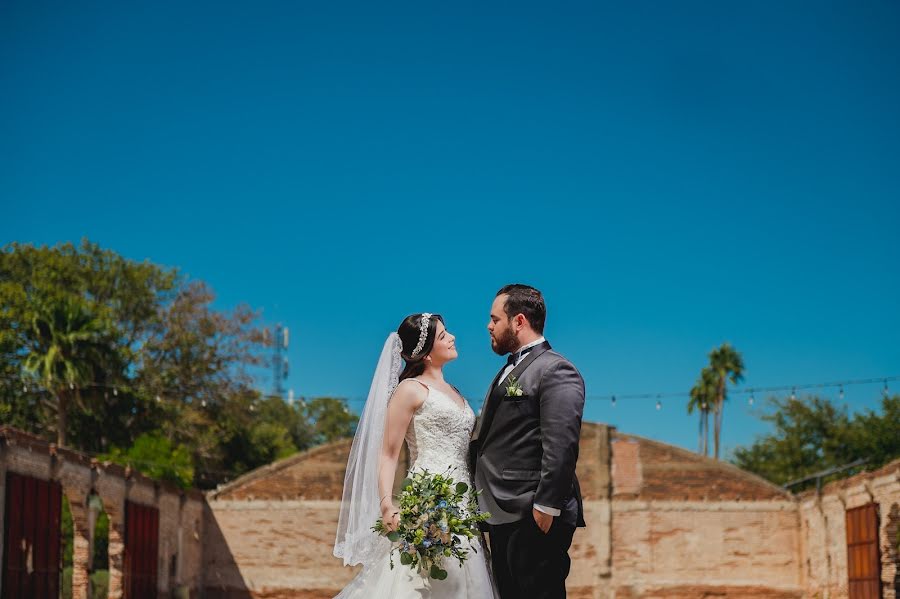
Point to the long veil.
(355, 541)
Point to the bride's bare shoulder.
(411, 392)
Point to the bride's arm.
(406, 400)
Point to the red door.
(31, 547)
(863, 559)
(141, 550)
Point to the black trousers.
(528, 563)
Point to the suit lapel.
(495, 393)
(487, 403)
(526, 362)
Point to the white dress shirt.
(509, 368)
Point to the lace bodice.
(438, 435)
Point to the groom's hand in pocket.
(543, 521)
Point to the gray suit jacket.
(524, 449)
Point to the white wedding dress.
(438, 440)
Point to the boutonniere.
(514, 389)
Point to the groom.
(524, 451)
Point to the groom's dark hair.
(527, 301)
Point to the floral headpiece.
(423, 334)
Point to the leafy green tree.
(812, 434)
(67, 346)
(876, 436)
(155, 370)
(171, 363)
(202, 359)
(330, 419)
(100, 559)
(123, 295)
(155, 456)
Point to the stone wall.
(698, 549)
(689, 527)
(265, 548)
(662, 522)
(823, 525)
(180, 534)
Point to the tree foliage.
(155, 456)
(702, 397)
(330, 419)
(711, 390)
(812, 434)
(130, 360)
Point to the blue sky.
(671, 175)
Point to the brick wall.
(823, 526)
(662, 522)
(180, 532)
(688, 527)
(266, 548)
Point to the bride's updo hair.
(409, 332)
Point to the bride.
(418, 406)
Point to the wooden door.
(141, 551)
(31, 550)
(863, 558)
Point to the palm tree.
(702, 397)
(727, 365)
(68, 342)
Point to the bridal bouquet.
(435, 513)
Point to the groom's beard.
(508, 343)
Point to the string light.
(658, 404)
(31, 386)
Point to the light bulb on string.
(841, 393)
(115, 392)
(25, 388)
(203, 403)
(885, 392)
(613, 402)
(658, 405)
(750, 401)
(793, 393)
(158, 399)
(72, 386)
